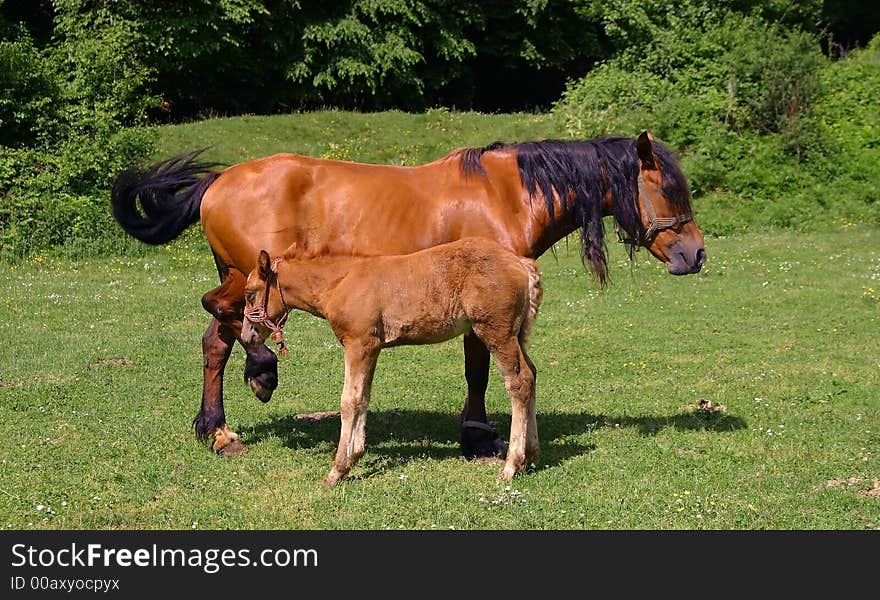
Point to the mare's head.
(668, 229)
(265, 311)
(637, 181)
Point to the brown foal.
(473, 285)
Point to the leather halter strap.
(655, 224)
(259, 314)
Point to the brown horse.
(525, 196)
(473, 286)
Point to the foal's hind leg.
(520, 383)
(532, 446)
(519, 379)
(478, 438)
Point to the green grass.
(390, 137)
(100, 377)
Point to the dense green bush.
(754, 111)
(58, 196)
(737, 71)
(29, 93)
(63, 117)
(104, 77)
(235, 56)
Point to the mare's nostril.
(701, 257)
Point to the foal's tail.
(156, 205)
(536, 294)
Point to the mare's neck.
(564, 222)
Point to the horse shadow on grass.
(400, 436)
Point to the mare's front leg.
(478, 438)
(211, 421)
(261, 370)
(226, 304)
(360, 364)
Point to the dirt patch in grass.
(317, 416)
(704, 406)
(113, 362)
(838, 481)
(873, 492)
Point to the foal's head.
(265, 311)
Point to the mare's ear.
(265, 265)
(646, 150)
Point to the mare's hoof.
(481, 441)
(260, 391)
(233, 448)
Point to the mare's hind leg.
(478, 438)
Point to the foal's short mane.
(581, 173)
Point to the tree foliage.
(740, 87)
(234, 56)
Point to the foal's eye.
(248, 296)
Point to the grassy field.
(100, 377)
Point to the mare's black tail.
(156, 205)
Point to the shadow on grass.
(401, 436)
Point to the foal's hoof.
(332, 478)
(481, 441)
(260, 391)
(233, 448)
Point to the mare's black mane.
(580, 173)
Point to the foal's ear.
(646, 150)
(265, 265)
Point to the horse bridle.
(260, 315)
(655, 224)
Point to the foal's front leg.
(360, 364)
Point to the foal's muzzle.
(250, 334)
